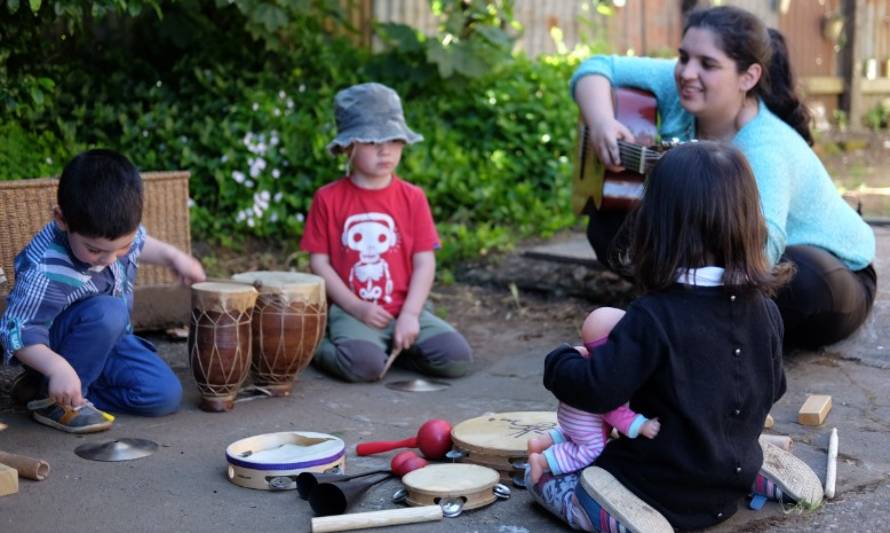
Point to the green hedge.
(251, 122)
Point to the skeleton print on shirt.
(371, 235)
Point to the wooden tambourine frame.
(500, 440)
(474, 485)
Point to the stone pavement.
(182, 487)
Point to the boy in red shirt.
(371, 236)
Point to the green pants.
(354, 351)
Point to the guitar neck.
(637, 158)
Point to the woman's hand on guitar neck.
(603, 137)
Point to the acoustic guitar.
(619, 191)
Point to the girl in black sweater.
(701, 350)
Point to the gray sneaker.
(83, 419)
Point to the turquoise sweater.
(800, 203)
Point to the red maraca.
(405, 462)
(433, 438)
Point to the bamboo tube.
(28, 467)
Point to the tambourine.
(272, 461)
(500, 441)
(455, 487)
(434, 492)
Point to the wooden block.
(769, 422)
(9, 480)
(814, 410)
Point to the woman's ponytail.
(778, 93)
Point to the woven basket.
(26, 207)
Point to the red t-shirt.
(371, 236)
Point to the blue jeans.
(118, 371)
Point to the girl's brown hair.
(701, 208)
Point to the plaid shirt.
(49, 279)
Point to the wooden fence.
(840, 49)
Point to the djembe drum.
(288, 324)
(220, 341)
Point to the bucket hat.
(369, 113)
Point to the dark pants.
(824, 303)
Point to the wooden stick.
(389, 361)
(831, 473)
(28, 467)
(389, 517)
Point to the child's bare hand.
(407, 328)
(374, 315)
(650, 428)
(64, 387)
(187, 268)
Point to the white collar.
(709, 276)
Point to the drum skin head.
(436, 482)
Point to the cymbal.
(417, 385)
(116, 450)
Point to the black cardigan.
(707, 363)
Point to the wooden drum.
(220, 341)
(288, 324)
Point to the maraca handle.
(370, 448)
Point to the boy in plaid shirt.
(68, 316)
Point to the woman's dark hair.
(745, 39)
(100, 195)
(701, 208)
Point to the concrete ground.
(182, 487)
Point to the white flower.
(250, 222)
(276, 112)
(274, 141)
(273, 217)
(302, 88)
(300, 217)
(145, 133)
(265, 195)
(191, 203)
(255, 106)
(282, 95)
(545, 138)
(238, 176)
(49, 160)
(248, 183)
(224, 158)
(276, 173)
(278, 196)
(290, 103)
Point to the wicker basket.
(26, 207)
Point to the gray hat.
(369, 113)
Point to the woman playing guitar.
(733, 83)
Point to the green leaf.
(35, 5)
(13, 6)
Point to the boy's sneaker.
(83, 419)
(794, 477)
(26, 386)
(624, 506)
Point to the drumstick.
(831, 474)
(389, 361)
(389, 517)
(27, 466)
